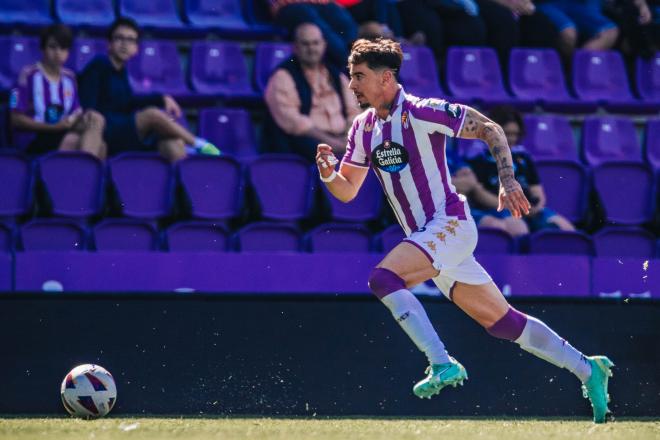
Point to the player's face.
(367, 85)
(123, 44)
(54, 54)
(512, 133)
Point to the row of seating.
(120, 234)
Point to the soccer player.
(402, 138)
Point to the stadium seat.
(610, 139)
(4, 126)
(648, 78)
(157, 68)
(566, 186)
(217, 68)
(469, 148)
(390, 237)
(601, 76)
(212, 186)
(339, 237)
(549, 137)
(97, 13)
(267, 57)
(474, 75)
(626, 191)
(73, 183)
(156, 14)
(143, 184)
(17, 185)
(283, 186)
(231, 130)
(366, 206)
(17, 52)
(121, 234)
(225, 17)
(419, 72)
(34, 13)
(653, 143)
(268, 237)
(53, 235)
(536, 74)
(197, 236)
(560, 242)
(624, 242)
(6, 238)
(83, 50)
(494, 241)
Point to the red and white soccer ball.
(88, 391)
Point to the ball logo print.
(390, 157)
(88, 391)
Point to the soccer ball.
(88, 391)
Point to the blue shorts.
(479, 214)
(586, 16)
(541, 220)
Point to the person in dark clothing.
(133, 122)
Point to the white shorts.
(449, 244)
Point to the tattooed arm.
(477, 126)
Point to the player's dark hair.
(60, 33)
(503, 114)
(379, 53)
(123, 21)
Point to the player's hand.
(68, 121)
(512, 198)
(171, 106)
(325, 160)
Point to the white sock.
(538, 339)
(412, 317)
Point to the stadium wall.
(310, 355)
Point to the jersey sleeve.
(355, 153)
(447, 116)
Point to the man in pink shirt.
(309, 101)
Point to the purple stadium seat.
(653, 143)
(474, 74)
(469, 148)
(366, 206)
(143, 183)
(30, 12)
(536, 74)
(157, 68)
(624, 242)
(230, 129)
(6, 238)
(97, 13)
(17, 52)
(223, 14)
(419, 73)
(197, 236)
(4, 126)
(83, 50)
(16, 188)
(626, 191)
(121, 234)
(566, 186)
(268, 56)
(73, 183)
(560, 242)
(610, 139)
(494, 241)
(390, 238)
(53, 235)
(549, 137)
(339, 237)
(218, 68)
(601, 76)
(268, 237)
(213, 186)
(283, 185)
(648, 78)
(152, 14)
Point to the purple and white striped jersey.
(407, 153)
(42, 99)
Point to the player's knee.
(510, 326)
(383, 281)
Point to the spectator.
(375, 18)
(45, 101)
(540, 216)
(639, 22)
(338, 27)
(133, 122)
(309, 101)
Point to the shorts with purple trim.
(448, 243)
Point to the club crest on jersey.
(390, 157)
(404, 120)
(368, 127)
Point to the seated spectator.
(133, 122)
(639, 22)
(336, 24)
(45, 102)
(308, 100)
(375, 18)
(485, 168)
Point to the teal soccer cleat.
(595, 388)
(440, 376)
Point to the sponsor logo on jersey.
(390, 157)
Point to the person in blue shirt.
(133, 123)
